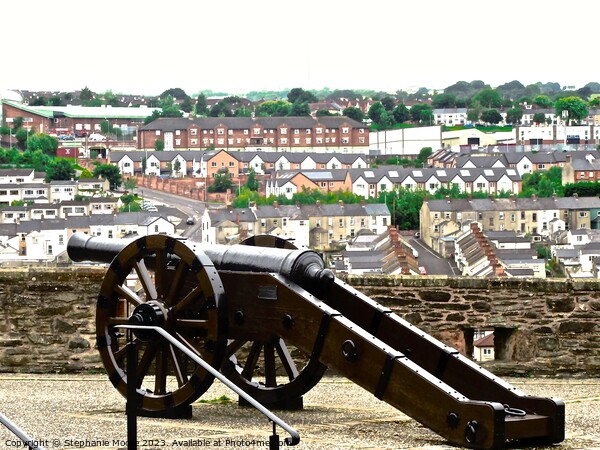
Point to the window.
(534, 217)
(341, 222)
(193, 131)
(177, 132)
(513, 217)
(220, 131)
(501, 215)
(283, 131)
(213, 164)
(345, 130)
(296, 131)
(331, 184)
(319, 131)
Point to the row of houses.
(26, 185)
(372, 182)
(45, 240)
(523, 162)
(496, 254)
(458, 116)
(208, 163)
(318, 226)
(540, 218)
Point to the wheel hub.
(151, 313)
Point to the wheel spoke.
(145, 279)
(192, 295)
(175, 288)
(286, 359)
(128, 295)
(145, 362)
(160, 378)
(179, 373)
(234, 346)
(250, 365)
(160, 274)
(270, 369)
(122, 352)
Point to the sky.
(238, 46)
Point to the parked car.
(190, 221)
(95, 137)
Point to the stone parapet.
(541, 327)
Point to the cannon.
(272, 318)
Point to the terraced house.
(441, 220)
(300, 134)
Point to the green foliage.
(514, 115)
(21, 136)
(582, 189)
(300, 109)
(424, 153)
(576, 108)
(59, 169)
(354, 113)
(275, 108)
(109, 172)
(159, 145)
(543, 183)
(221, 109)
(221, 182)
(47, 144)
(85, 173)
(252, 182)
(488, 97)
(405, 206)
(130, 184)
(299, 95)
(380, 116)
(201, 106)
(491, 116)
(401, 113)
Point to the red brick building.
(336, 134)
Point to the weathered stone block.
(435, 296)
(566, 304)
(576, 327)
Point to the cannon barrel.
(304, 267)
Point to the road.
(192, 208)
(434, 264)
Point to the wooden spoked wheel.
(270, 371)
(157, 280)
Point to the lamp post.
(565, 116)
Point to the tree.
(47, 144)
(130, 184)
(491, 116)
(416, 112)
(378, 114)
(21, 136)
(302, 96)
(576, 108)
(354, 113)
(274, 108)
(444, 101)
(300, 109)
(221, 109)
(176, 166)
(252, 182)
(85, 173)
(221, 182)
(388, 103)
(201, 106)
(401, 113)
(60, 169)
(543, 101)
(489, 98)
(110, 173)
(539, 117)
(86, 94)
(514, 115)
(424, 153)
(159, 145)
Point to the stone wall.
(542, 327)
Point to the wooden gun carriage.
(272, 319)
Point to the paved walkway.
(85, 411)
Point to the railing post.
(131, 393)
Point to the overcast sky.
(237, 46)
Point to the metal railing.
(30, 443)
(294, 438)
